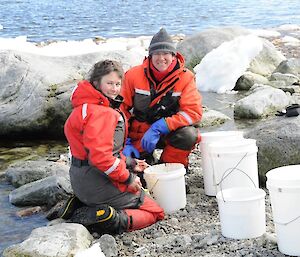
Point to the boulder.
(290, 66)
(267, 60)
(278, 142)
(25, 172)
(289, 79)
(246, 81)
(63, 240)
(213, 118)
(35, 89)
(47, 191)
(195, 47)
(262, 101)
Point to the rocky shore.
(192, 231)
(271, 83)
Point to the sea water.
(42, 20)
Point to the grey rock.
(25, 172)
(195, 47)
(289, 79)
(47, 191)
(142, 252)
(290, 66)
(35, 91)
(182, 241)
(246, 81)
(62, 240)
(262, 101)
(213, 118)
(267, 60)
(108, 245)
(278, 141)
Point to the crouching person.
(163, 105)
(108, 197)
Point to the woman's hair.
(103, 68)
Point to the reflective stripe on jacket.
(96, 132)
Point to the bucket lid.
(208, 137)
(166, 169)
(241, 145)
(240, 194)
(286, 176)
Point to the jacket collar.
(84, 92)
(180, 63)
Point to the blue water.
(14, 229)
(42, 20)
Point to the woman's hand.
(135, 185)
(140, 166)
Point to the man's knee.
(184, 138)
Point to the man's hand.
(152, 135)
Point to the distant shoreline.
(98, 38)
(286, 38)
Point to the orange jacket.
(92, 130)
(136, 91)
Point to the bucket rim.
(260, 193)
(179, 171)
(285, 177)
(243, 145)
(251, 150)
(176, 166)
(242, 142)
(207, 137)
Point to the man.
(162, 104)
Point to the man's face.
(162, 60)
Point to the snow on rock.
(94, 251)
(70, 48)
(220, 69)
(265, 33)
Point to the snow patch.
(220, 69)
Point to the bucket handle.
(151, 189)
(232, 169)
(286, 223)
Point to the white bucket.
(242, 212)
(206, 139)
(166, 184)
(284, 186)
(234, 163)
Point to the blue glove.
(130, 150)
(153, 134)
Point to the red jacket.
(137, 93)
(93, 132)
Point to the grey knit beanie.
(161, 42)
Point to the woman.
(96, 131)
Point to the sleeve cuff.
(130, 163)
(130, 179)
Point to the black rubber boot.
(67, 210)
(103, 219)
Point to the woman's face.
(110, 85)
(162, 60)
